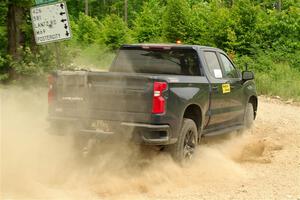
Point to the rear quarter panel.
(182, 92)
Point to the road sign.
(39, 2)
(50, 23)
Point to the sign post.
(50, 23)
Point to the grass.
(281, 80)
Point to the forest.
(265, 34)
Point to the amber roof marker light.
(178, 42)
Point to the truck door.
(218, 97)
(234, 97)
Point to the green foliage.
(3, 42)
(221, 30)
(114, 32)
(3, 39)
(3, 11)
(198, 27)
(280, 30)
(257, 32)
(147, 24)
(272, 78)
(176, 20)
(4, 68)
(281, 80)
(244, 16)
(34, 63)
(86, 30)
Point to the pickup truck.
(167, 95)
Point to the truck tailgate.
(126, 93)
(102, 95)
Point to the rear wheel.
(184, 148)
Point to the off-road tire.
(186, 144)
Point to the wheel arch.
(254, 101)
(194, 112)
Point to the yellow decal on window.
(226, 88)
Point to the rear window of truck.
(157, 61)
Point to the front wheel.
(186, 144)
(249, 116)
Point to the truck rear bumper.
(149, 134)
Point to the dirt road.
(264, 163)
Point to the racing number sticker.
(226, 88)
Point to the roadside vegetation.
(263, 33)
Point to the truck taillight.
(158, 103)
(50, 89)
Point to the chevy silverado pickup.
(166, 95)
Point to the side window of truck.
(229, 69)
(213, 64)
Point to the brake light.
(158, 103)
(50, 89)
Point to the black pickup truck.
(166, 95)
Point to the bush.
(34, 63)
(147, 25)
(86, 30)
(114, 32)
(4, 68)
(244, 21)
(176, 20)
(281, 80)
(198, 26)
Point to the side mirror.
(247, 75)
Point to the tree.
(86, 30)
(16, 36)
(176, 20)
(244, 15)
(198, 27)
(114, 32)
(86, 7)
(147, 25)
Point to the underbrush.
(281, 80)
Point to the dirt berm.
(264, 163)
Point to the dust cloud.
(35, 164)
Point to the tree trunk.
(279, 5)
(15, 16)
(86, 7)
